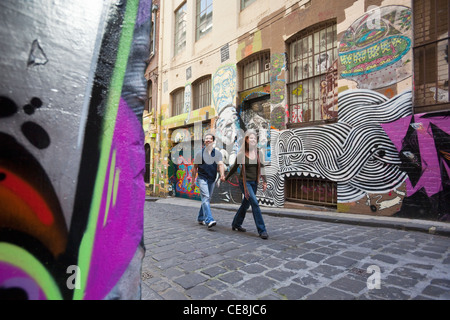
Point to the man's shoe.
(212, 224)
(238, 229)
(264, 235)
(201, 222)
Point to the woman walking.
(252, 169)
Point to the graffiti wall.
(375, 49)
(423, 144)
(72, 162)
(355, 152)
(279, 114)
(378, 157)
(385, 160)
(227, 126)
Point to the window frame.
(246, 3)
(149, 107)
(180, 28)
(198, 16)
(202, 99)
(427, 64)
(152, 37)
(177, 100)
(261, 60)
(314, 75)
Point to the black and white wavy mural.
(355, 152)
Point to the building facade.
(350, 100)
(149, 119)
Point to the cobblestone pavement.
(302, 259)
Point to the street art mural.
(187, 101)
(279, 108)
(355, 152)
(378, 157)
(255, 115)
(329, 93)
(423, 144)
(187, 141)
(227, 127)
(384, 160)
(184, 186)
(375, 50)
(72, 162)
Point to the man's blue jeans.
(252, 186)
(206, 191)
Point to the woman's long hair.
(245, 148)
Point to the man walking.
(206, 163)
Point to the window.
(177, 101)
(155, 8)
(202, 92)
(311, 56)
(312, 191)
(152, 38)
(255, 70)
(180, 29)
(246, 3)
(147, 163)
(431, 68)
(149, 96)
(204, 17)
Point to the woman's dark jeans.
(252, 186)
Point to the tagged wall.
(72, 161)
(355, 152)
(384, 160)
(378, 162)
(375, 50)
(354, 61)
(423, 144)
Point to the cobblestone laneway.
(302, 259)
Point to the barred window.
(431, 67)
(202, 92)
(311, 56)
(255, 70)
(177, 101)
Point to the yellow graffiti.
(298, 91)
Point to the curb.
(405, 224)
(431, 227)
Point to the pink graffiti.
(118, 237)
(430, 179)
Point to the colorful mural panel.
(384, 160)
(184, 185)
(375, 49)
(227, 127)
(355, 152)
(279, 113)
(423, 143)
(72, 163)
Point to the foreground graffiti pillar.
(72, 159)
